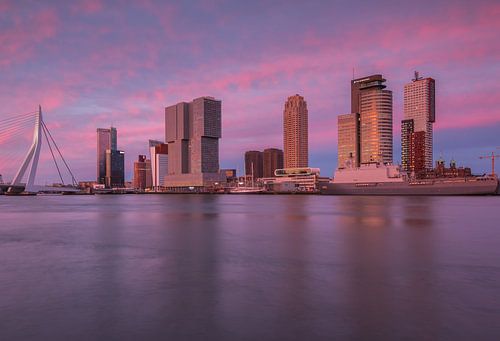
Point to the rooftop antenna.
(417, 76)
(352, 73)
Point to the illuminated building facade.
(295, 132)
(374, 105)
(348, 140)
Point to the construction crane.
(493, 156)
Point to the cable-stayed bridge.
(23, 181)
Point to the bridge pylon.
(31, 158)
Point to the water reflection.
(247, 267)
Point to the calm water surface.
(219, 267)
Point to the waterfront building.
(229, 175)
(253, 164)
(192, 131)
(374, 105)
(106, 139)
(229, 172)
(294, 180)
(295, 132)
(453, 171)
(88, 184)
(348, 140)
(142, 173)
(419, 106)
(115, 168)
(158, 153)
(272, 159)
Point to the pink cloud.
(17, 43)
(88, 6)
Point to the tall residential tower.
(374, 105)
(295, 132)
(420, 108)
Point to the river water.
(243, 267)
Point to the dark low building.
(253, 164)
(142, 173)
(229, 174)
(452, 172)
(272, 160)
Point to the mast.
(252, 174)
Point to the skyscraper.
(348, 140)
(419, 106)
(106, 139)
(253, 164)
(115, 168)
(272, 159)
(192, 131)
(374, 105)
(295, 132)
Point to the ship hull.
(484, 186)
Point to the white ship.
(379, 179)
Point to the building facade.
(142, 173)
(417, 152)
(253, 164)
(106, 139)
(115, 168)
(192, 131)
(295, 132)
(407, 128)
(420, 106)
(272, 159)
(348, 140)
(374, 105)
(158, 154)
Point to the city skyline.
(253, 88)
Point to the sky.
(98, 63)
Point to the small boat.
(246, 190)
(21, 193)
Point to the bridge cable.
(16, 117)
(51, 152)
(17, 122)
(60, 154)
(13, 130)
